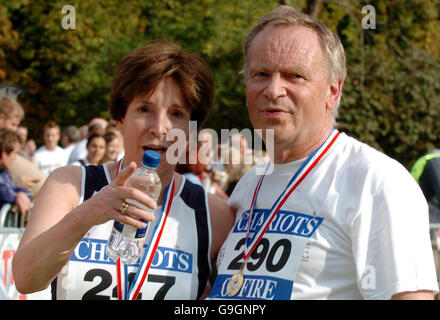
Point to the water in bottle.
(125, 241)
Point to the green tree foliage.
(391, 96)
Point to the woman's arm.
(222, 220)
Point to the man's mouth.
(272, 111)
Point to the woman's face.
(96, 150)
(150, 118)
(114, 149)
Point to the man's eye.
(260, 74)
(293, 76)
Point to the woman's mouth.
(159, 149)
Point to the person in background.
(28, 146)
(50, 156)
(96, 146)
(23, 172)
(69, 138)
(114, 150)
(96, 126)
(9, 193)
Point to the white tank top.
(181, 264)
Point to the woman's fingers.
(122, 177)
(128, 219)
(135, 211)
(109, 201)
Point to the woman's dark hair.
(142, 70)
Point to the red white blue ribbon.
(147, 258)
(311, 161)
(131, 293)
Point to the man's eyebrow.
(288, 69)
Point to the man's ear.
(333, 95)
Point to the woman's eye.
(143, 109)
(177, 114)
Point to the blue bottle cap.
(151, 159)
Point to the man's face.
(51, 138)
(10, 122)
(287, 87)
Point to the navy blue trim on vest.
(194, 196)
(95, 181)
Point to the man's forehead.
(288, 47)
(286, 40)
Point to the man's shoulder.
(357, 158)
(362, 153)
(40, 151)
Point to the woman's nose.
(160, 126)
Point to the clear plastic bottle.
(125, 241)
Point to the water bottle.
(125, 241)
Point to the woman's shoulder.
(64, 178)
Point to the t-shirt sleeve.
(391, 243)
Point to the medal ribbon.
(124, 292)
(311, 161)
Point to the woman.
(156, 88)
(96, 147)
(114, 146)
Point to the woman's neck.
(165, 179)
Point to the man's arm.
(414, 295)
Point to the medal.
(235, 283)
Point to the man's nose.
(275, 87)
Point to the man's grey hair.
(72, 133)
(331, 45)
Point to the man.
(23, 172)
(50, 156)
(9, 193)
(69, 138)
(335, 219)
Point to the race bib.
(271, 268)
(92, 275)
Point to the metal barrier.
(11, 229)
(11, 219)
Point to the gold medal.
(235, 283)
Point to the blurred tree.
(391, 97)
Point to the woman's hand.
(107, 203)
